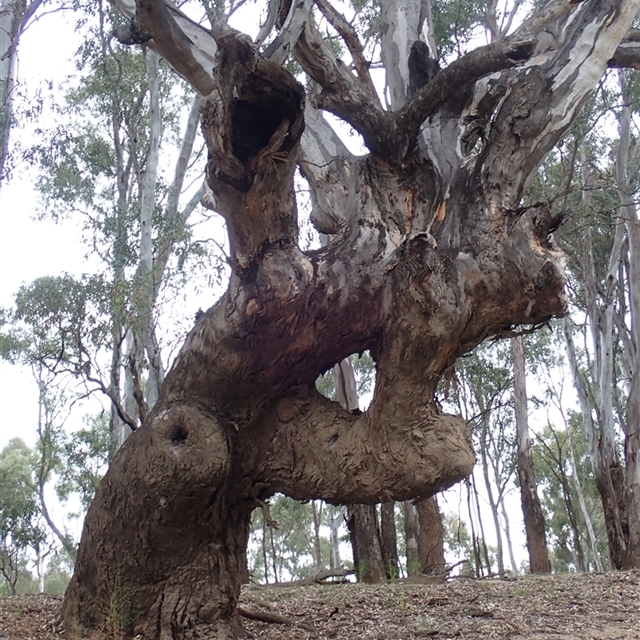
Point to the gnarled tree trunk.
(431, 253)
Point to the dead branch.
(318, 578)
(273, 618)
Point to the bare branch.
(266, 28)
(474, 65)
(342, 93)
(350, 37)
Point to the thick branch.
(545, 97)
(252, 125)
(188, 47)
(293, 26)
(321, 450)
(350, 37)
(627, 55)
(477, 63)
(342, 93)
(327, 165)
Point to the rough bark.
(433, 255)
(362, 522)
(430, 538)
(388, 541)
(531, 509)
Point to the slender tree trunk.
(482, 540)
(629, 211)
(388, 541)
(317, 553)
(474, 538)
(573, 521)
(367, 554)
(265, 555)
(507, 534)
(489, 489)
(145, 287)
(430, 538)
(411, 537)
(586, 516)
(336, 516)
(532, 511)
(604, 462)
(14, 18)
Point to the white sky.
(30, 249)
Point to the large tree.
(431, 251)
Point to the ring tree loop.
(430, 253)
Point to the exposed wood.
(238, 417)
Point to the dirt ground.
(561, 607)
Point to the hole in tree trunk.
(179, 436)
(254, 121)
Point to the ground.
(561, 607)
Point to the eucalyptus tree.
(15, 16)
(484, 397)
(121, 159)
(21, 525)
(596, 176)
(431, 252)
(534, 524)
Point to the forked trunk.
(430, 254)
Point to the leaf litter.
(590, 606)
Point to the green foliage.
(551, 455)
(85, 456)
(20, 525)
(456, 23)
(58, 574)
(57, 322)
(289, 548)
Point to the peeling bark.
(423, 265)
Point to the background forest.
(113, 149)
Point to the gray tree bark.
(431, 254)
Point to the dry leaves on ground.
(561, 607)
